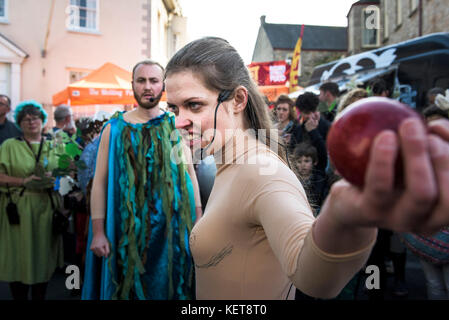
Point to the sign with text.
(270, 73)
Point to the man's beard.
(148, 104)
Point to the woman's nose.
(181, 122)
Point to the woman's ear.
(240, 99)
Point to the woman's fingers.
(439, 155)
(421, 189)
(379, 178)
(440, 127)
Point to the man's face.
(147, 85)
(4, 106)
(323, 96)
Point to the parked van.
(410, 68)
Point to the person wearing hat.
(30, 252)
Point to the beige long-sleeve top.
(256, 225)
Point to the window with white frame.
(386, 22)
(370, 27)
(398, 13)
(77, 74)
(83, 15)
(413, 5)
(4, 10)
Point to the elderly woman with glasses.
(30, 252)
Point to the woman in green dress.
(30, 252)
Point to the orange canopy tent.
(273, 92)
(109, 84)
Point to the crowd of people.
(145, 226)
(304, 129)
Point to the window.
(413, 6)
(398, 13)
(4, 11)
(370, 27)
(83, 15)
(77, 74)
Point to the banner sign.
(270, 73)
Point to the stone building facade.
(374, 24)
(320, 44)
(45, 45)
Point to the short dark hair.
(307, 102)
(148, 63)
(433, 110)
(331, 87)
(29, 110)
(378, 86)
(435, 91)
(305, 149)
(7, 99)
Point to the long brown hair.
(222, 69)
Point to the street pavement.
(414, 278)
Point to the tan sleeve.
(281, 208)
(280, 205)
(323, 275)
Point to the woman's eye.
(194, 105)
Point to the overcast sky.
(238, 21)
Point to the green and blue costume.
(149, 216)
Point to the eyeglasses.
(29, 120)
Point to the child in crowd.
(310, 167)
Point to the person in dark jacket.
(7, 128)
(311, 125)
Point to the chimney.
(262, 19)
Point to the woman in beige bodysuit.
(258, 236)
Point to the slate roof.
(285, 36)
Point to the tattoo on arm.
(216, 259)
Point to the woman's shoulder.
(265, 165)
(11, 142)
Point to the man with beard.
(143, 203)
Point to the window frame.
(413, 9)
(398, 11)
(5, 18)
(363, 29)
(77, 28)
(386, 22)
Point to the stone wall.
(434, 19)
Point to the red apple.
(353, 131)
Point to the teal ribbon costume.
(149, 216)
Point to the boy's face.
(305, 165)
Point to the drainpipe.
(44, 51)
(420, 18)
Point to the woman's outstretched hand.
(421, 205)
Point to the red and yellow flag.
(295, 70)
